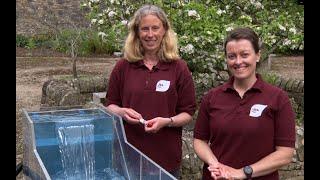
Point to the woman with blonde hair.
(133, 49)
(152, 89)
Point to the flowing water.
(76, 145)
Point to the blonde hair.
(133, 50)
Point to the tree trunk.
(74, 67)
(74, 60)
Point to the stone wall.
(70, 93)
(286, 65)
(79, 92)
(40, 16)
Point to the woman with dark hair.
(152, 89)
(245, 128)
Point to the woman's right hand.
(130, 115)
(221, 171)
(214, 170)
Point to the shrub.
(202, 25)
(270, 77)
(21, 41)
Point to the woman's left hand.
(227, 172)
(155, 124)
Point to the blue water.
(104, 174)
(47, 122)
(51, 156)
(75, 144)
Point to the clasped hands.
(221, 171)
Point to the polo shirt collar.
(161, 65)
(258, 85)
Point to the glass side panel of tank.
(84, 144)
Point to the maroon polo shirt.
(243, 131)
(164, 91)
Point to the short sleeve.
(202, 126)
(285, 122)
(113, 95)
(186, 91)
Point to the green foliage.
(88, 41)
(61, 41)
(92, 44)
(95, 44)
(270, 77)
(31, 44)
(299, 117)
(201, 26)
(21, 41)
(40, 40)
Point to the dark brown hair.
(243, 33)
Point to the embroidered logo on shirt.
(256, 110)
(162, 85)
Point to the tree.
(65, 29)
